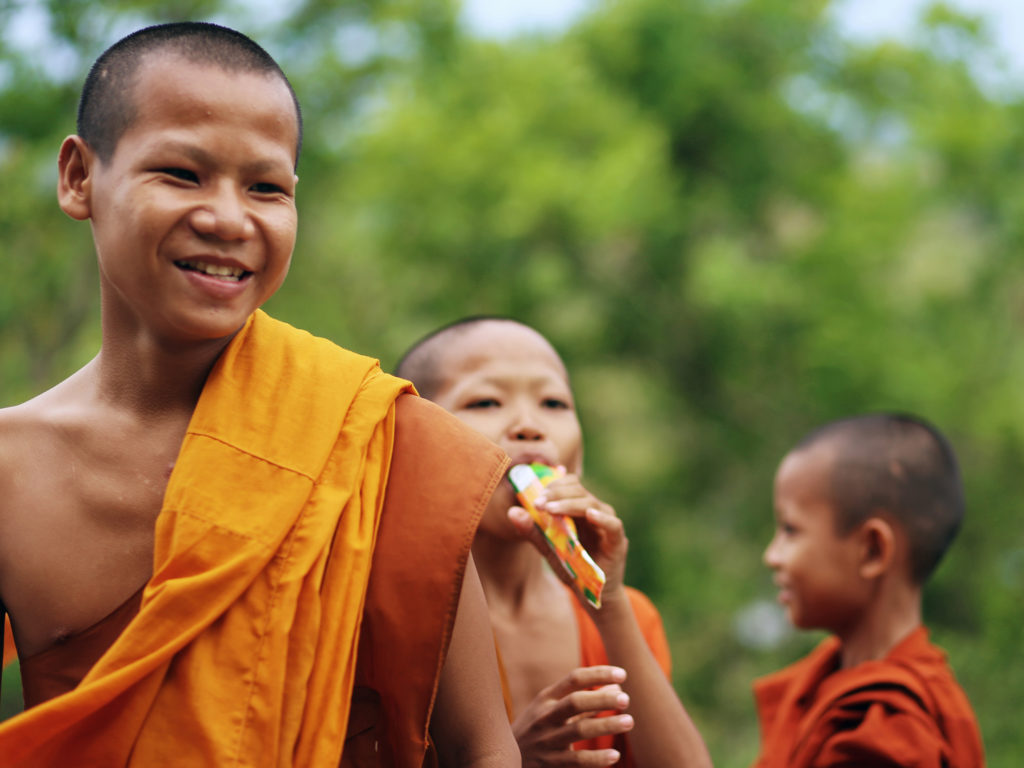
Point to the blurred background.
(735, 219)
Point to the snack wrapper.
(559, 530)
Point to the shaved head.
(423, 363)
(900, 466)
(107, 109)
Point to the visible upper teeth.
(219, 270)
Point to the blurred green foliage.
(732, 222)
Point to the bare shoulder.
(34, 440)
(25, 429)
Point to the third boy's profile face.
(194, 213)
(504, 380)
(816, 569)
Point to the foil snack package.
(559, 530)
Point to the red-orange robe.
(243, 651)
(904, 710)
(9, 653)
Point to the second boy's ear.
(878, 547)
(75, 165)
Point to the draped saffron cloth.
(243, 651)
(904, 710)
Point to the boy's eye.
(181, 173)
(482, 403)
(555, 403)
(266, 188)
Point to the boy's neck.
(890, 619)
(143, 376)
(511, 574)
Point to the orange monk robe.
(243, 651)
(9, 653)
(906, 709)
(442, 477)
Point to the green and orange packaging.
(559, 530)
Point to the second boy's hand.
(601, 532)
(585, 704)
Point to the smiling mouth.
(221, 271)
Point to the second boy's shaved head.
(106, 109)
(422, 364)
(900, 465)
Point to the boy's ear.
(878, 547)
(75, 166)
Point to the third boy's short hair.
(900, 465)
(106, 108)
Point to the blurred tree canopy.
(733, 223)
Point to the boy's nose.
(527, 433)
(224, 216)
(770, 557)
(525, 428)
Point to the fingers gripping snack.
(559, 530)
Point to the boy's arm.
(663, 733)
(469, 725)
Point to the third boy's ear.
(75, 165)
(878, 547)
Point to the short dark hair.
(901, 465)
(419, 363)
(106, 108)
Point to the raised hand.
(600, 530)
(585, 704)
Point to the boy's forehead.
(162, 68)
(496, 344)
(807, 472)
(165, 72)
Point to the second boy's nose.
(524, 428)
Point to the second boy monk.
(224, 541)
(506, 381)
(865, 508)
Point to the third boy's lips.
(784, 594)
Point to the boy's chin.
(801, 620)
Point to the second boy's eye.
(181, 173)
(482, 403)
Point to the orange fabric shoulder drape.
(243, 651)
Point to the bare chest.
(537, 653)
(77, 533)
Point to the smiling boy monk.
(506, 380)
(224, 541)
(865, 509)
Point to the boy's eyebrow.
(534, 381)
(200, 156)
